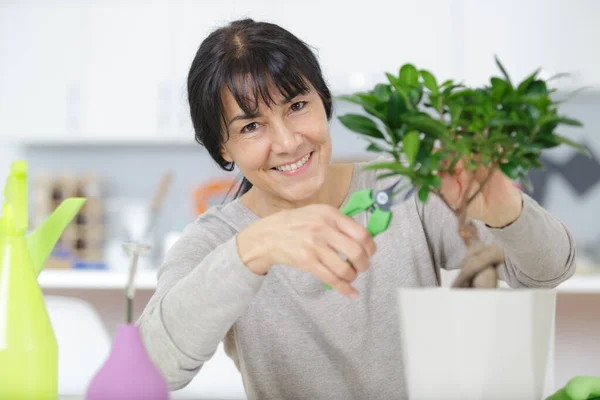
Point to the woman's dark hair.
(246, 56)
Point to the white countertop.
(146, 280)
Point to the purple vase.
(128, 373)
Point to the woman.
(251, 272)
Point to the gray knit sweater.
(292, 339)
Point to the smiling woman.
(250, 273)
(254, 87)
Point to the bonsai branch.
(483, 183)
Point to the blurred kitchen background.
(93, 97)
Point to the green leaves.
(410, 146)
(409, 75)
(423, 193)
(499, 125)
(575, 145)
(501, 67)
(424, 123)
(429, 81)
(500, 88)
(397, 107)
(361, 124)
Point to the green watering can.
(579, 388)
(28, 348)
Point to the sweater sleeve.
(539, 250)
(203, 288)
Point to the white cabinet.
(358, 42)
(355, 43)
(40, 61)
(126, 70)
(556, 35)
(99, 70)
(193, 21)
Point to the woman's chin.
(302, 191)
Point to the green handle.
(359, 201)
(379, 220)
(579, 388)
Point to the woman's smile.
(297, 167)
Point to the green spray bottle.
(28, 347)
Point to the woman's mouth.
(297, 167)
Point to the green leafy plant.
(427, 127)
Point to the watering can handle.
(15, 194)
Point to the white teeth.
(295, 166)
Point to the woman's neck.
(334, 192)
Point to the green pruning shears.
(579, 388)
(378, 203)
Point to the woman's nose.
(284, 140)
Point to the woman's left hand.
(498, 204)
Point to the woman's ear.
(225, 154)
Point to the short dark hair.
(245, 56)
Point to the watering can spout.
(43, 239)
(15, 219)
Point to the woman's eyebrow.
(243, 116)
(238, 117)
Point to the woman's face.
(284, 150)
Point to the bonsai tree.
(429, 129)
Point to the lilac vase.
(128, 373)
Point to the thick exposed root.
(479, 267)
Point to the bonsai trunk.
(479, 267)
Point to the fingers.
(350, 248)
(329, 277)
(486, 279)
(479, 258)
(331, 259)
(354, 230)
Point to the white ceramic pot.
(472, 344)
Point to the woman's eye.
(298, 106)
(250, 127)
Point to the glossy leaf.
(361, 124)
(382, 92)
(415, 95)
(374, 148)
(569, 121)
(583, 150)
(429, 81)
(511, 169)
(499, 88)
(501, 67)
(392, 166)
(396, 109)
(537, 88)
(410, 146)
(368, 103)
(524, 86)
(394, 81)
(428, 125)
(409, 75)
(423, 193)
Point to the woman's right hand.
(309, 238)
